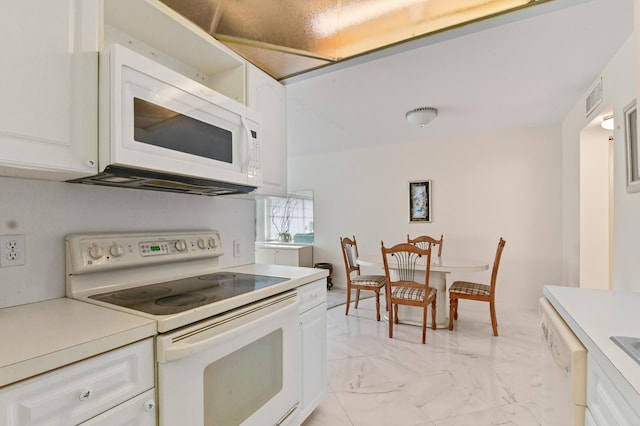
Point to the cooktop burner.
(181, 295)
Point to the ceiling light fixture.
(421, 116)
(607, 122)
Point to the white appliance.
(160, 130)
(228, 351)
(564, 370)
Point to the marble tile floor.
(463, 377)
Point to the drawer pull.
(149, 405)
(85, 394)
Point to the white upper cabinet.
(48, 106)
(267, 96)
(152, 29)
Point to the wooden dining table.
(440, 268)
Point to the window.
(285, 219)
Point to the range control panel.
(97, 252)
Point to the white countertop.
(298, 274)
(289, 246)
(42, 336)
(594, 316)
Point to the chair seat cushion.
(474, 289)
(369, 280)
(411, 293)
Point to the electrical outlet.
(236, 248)
(12, 250)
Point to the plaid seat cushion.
(411, 293)
(474, 289)
(369, 280)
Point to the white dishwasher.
(564, 370)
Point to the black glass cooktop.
(181, 295)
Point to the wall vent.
(594, 98)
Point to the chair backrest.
(425, 241)
(405, 259)
(350, 255)
(496, 264)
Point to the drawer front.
(312, 294)
(75, 393)
(138, 411)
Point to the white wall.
(619, 83)
(47, 211)
(627, 206)
(484, 187)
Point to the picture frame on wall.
(420, 201)
(632, 151)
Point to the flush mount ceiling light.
(422, 116)
(607, 122)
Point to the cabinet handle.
(149, 405)
(85, 394)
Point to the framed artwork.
(420, 201)
(631, 142)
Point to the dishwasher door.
(564, 370)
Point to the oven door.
(240, 368)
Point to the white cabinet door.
(269, 97)
(48, 107)
(313, 325)
(289, 256)
(313, 330)
(607, 405)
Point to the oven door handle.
(184, 348)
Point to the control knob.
(180, 245)
(212, 242)
(202, 244)
(96, 252)
(116, 250)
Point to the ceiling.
(290, 37)
(507, 74)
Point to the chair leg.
(433, 314)
(390, 322)
(395, 314)
(424, 325)
(357, 298)
(452, 310)
(494, 320)
(378, 304)
(346, 312)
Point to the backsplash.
(45, 212)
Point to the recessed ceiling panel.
(316, 33)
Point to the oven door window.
(237, 385)
(162, 127)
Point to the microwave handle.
(246, 158)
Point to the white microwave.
(160, 130)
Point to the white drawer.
(312, 294)
(75, 393)
(138, 411)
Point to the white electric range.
(228, 349)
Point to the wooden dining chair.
(359, 282)
(424, 241)
(475, 291)
(407, 289)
